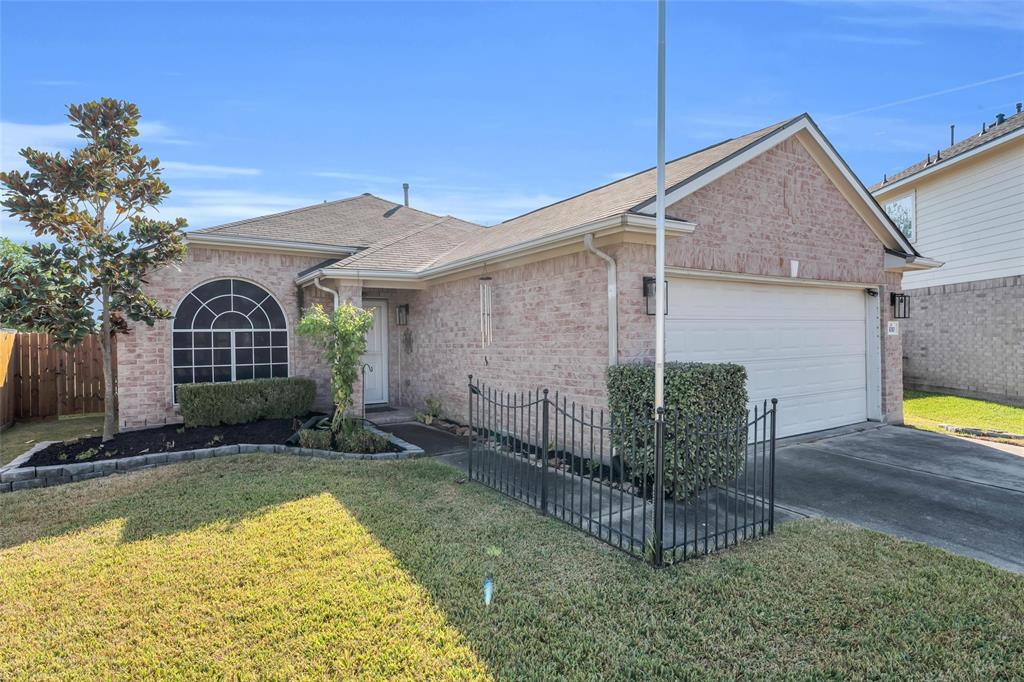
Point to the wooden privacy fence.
(42, 379)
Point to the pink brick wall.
(549, 329)
(144, 355)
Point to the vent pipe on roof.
(1000, 118)
(1019, 106)
(405, 188)
(951, 129)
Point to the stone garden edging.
(23, 478)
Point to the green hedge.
(711, 397)
(240, 402)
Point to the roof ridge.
(311, 207)
(1010, 124)
(288, 212)
(641, 172)
(379, 246)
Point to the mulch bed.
(165, 439)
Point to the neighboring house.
(964, 206)
(778, 258)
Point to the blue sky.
(491, 109)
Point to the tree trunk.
(109, 399)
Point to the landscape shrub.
(361, 441)
(318, 439)
(351, 437)
(240, 402)
(709, 399)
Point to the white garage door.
(802, 345)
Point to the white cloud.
(198, 170)
(208, 207)
(61, 137)
(956, 13)
(357, 177)
(877, 40)
(51, 138)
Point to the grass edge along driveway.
(264, 566)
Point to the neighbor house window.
(227, 330)
(485, 312)
(903, 215)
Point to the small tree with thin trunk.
(94, 205)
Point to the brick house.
(965, 206)
(778, 258)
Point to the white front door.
(804, 345)
(375, 360)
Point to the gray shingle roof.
(1015, 122)
(359, 221)
(413, 251)
(616, 198)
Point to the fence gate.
(47, 380)
(663, 489)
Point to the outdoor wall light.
(651, 295)
(900, 306)
(402, 314)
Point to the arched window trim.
(258, 307)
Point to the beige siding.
(971, 217)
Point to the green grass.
(930, 411)
(23, 435)
(274, 567)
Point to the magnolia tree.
(342, 335)
(91, 208)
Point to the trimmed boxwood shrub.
(240, 402)
(709, 399)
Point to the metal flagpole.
(659, 248)
(659, 317)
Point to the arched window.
(226, 330)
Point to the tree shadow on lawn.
(566, 604)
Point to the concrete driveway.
(960, 495)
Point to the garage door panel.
(805, 346)
(706, 300)
(755, 339)
(787, 378)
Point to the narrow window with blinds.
(485, 313)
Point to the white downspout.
(613, 302)
(332, 292)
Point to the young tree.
(343, 338)
(93, 205)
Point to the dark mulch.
(165, 439)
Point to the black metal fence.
(664, 488)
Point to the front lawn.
(930, 411)
(259, 566)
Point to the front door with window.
(375, 360)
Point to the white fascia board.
(948, 163)
(798, 124)
(358, 275)
(895, 263)
(255, 243)
(609, 225)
